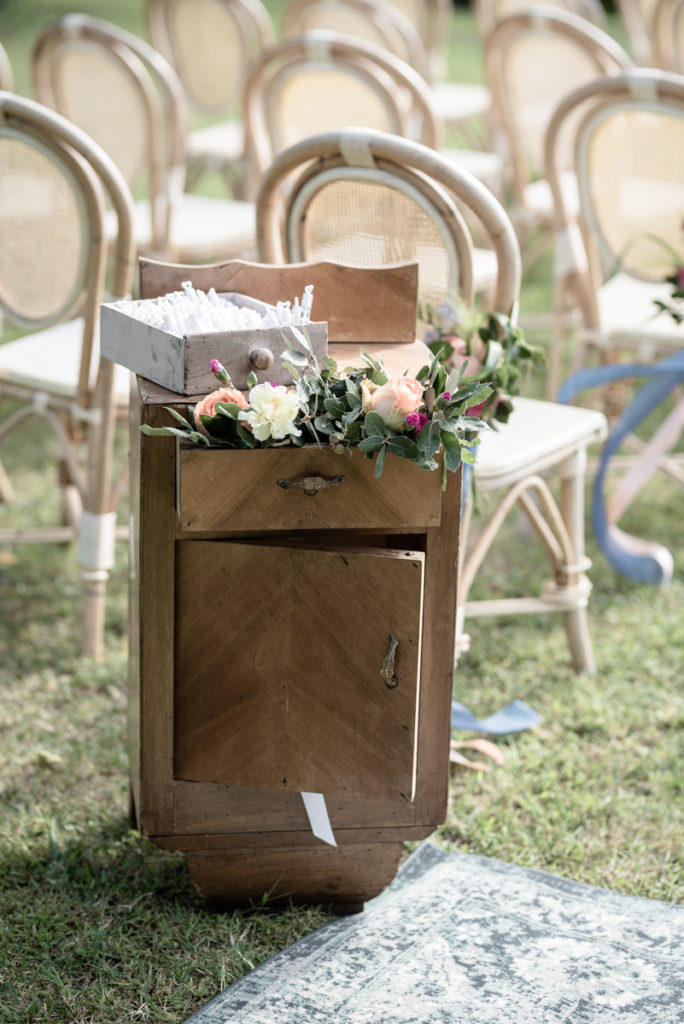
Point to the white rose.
(272, 412)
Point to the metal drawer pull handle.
(261, 358)
(387, 669)
(311, 485)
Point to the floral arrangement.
(487, 348)
(415, 418)
(431, 419)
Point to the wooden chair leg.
(572, 508)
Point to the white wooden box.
(181, 364)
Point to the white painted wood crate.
(181, 364)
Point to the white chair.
(637, 16)
(365, 197)
(532, 60)
(617, 247)
(128, 98)
(210, 44)
(668, 35)
(320, 81)
(54, 183)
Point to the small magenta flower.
(445, 396)
(220, 372)
(680, 277)
(416, 420)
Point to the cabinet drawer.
(266, 489)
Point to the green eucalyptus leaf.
(335, 407)
(371, 444)
(380, 462)
(404, 447)
(452, 451)
(374, 425)
(323, 424)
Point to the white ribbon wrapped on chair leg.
(96, 536)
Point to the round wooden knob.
(261, 358)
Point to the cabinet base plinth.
(341, 877)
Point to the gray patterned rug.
(458, 939)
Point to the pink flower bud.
(416, 420)
(215, 366)
(445, 396)
(680, 277)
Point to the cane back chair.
(128, 98)
(628, 237)
(532, 61)
(54, 182)
(372, 21)
(366, 197)
(322, 81)
(668, 35)
(489, 12)
(210, 44)
(637, 16)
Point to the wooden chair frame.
(607, 56)
(360, 154)
(165, 117)
(6, 76)
(668, 35)
(391, 29)
(251, 23)
(384, 74)
(581, 262)
(89, 411)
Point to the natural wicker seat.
(210, 43)
(321, 81)
(366, 197)
(54, 182)
(532, 60)
(128, 98)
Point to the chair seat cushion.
(486, 167)
(458, 101)
(537, 435)
(224, 141)
(627, 310)
(49, 361)
(538, 198)
(202, 227)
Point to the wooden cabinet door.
(278, 658)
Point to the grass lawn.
(99, 926)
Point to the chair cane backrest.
(532, 61)
(54, 184)
(489, 12)
(637, 16)
(368, 198)
(372, 21)
(629, 162)
(210, 43)
(668, 35)
(319, 81)
(6, 76)
(127, 98)
(431, 20)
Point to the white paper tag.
(317, 812)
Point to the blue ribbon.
(663, 378)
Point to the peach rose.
(207, 405)
(396, 400)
